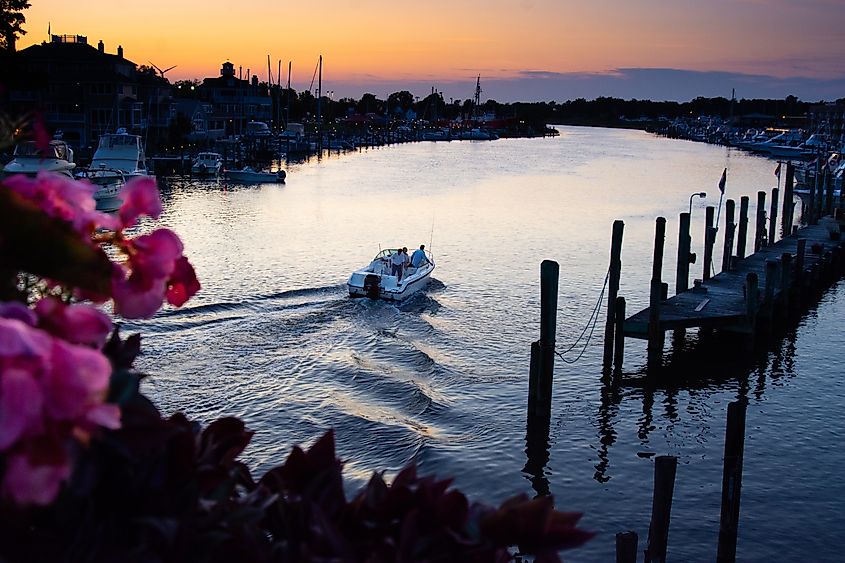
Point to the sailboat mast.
(287, 97)
(319, 99)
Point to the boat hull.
(375, 282)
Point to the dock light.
(702, 195)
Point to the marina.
(442, 377)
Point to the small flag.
(723, 180)
(777, 170)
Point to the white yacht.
(120, 151)
(207, 164)
(376, 280)
(29, 159)
(119, 158)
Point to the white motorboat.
(29, 159)
(119, 156)
(249, 175)
(207, 164)
(376, 280)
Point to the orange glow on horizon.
(375, 40)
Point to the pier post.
(619, 348)
(731, 482)
(743, 227)
(665, 467)
(773, 215)
(684, 257)
(655, 332)
(769, 288)
(785, 281)
(760, 238)
(615, 274)
(541, 371)
(709, 241)
(787, 200)
(730, 232)
(751, 299)
(626, 547)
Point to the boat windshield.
(387, 253)
(119, 141)
(31, 148)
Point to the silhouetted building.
(85, 92)
(235, 101)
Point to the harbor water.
(442, 380)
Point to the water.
(442, 379)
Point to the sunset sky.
(523, 49)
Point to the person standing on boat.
(418, 257)
(398, 261)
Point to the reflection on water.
(442, 379)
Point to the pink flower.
(183, 284)
(80, 324)
(158, 269)
(21, 402)
(33, 483)
(140, 197)
(77, 381)
(19, 311)
(63, 198)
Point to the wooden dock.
(720, 301)
(770, 282)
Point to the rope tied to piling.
(591, 326)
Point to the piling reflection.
(701, 365)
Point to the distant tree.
(403, 99)
(11, 20)
(367, 104)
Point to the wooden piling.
(665, 467)
(730, 232)
(770, 284)
(626, 547)
(801, 253)
(788, 207)
(684, 243)
(760, 238)
(773, 215)
(619, 348)
(828, 184)
(655, 333)
(615, 274)
(731, 482)
(743, 227)
(549, 276)
(541, 371)
(709, 241)
(751, 299)
(785, 280)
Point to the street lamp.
(702, 195)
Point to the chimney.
(120, 51)
(100, 47)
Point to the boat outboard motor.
(371, 283)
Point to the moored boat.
(249, 175)
(119, 156)
(377, 281)
(207, 164)
(30, 159)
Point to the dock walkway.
(720, 302)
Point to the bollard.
(773, 215)
(655, 334)
(626, 547)
(665, 467)
(709, 241)
(760, 238)
(731, 482)
(743, 227)
(619, 348)
(684, 242)
(730, 231)
(786, 216)
(615, 274)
